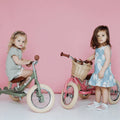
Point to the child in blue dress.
(102, 78)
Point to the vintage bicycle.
(40, 97)
(77, 84)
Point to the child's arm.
(107, 62)
(92, 57)
(20, 62)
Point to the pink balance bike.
(77, 84)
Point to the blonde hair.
(14, 36)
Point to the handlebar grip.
(65, 55)
(29, 65)
(87, 61)
(91, 62)
(36, 57)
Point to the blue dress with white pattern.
(108, 80)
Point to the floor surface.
(10, 110)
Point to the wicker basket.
(80, 71)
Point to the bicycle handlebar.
(36, 57)
(79, 61)
(65, 55)
(86, 61)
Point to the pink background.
(53, 26)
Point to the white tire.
(31, 99)
(114, 93)
(73, 96)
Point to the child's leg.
(26, 74)
(105, 95)
(98, 94)
(96, 103)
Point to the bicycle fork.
(71, 79)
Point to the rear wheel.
(114, 93)
(69, 99)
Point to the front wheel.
(69, 98)
(114, 93)
(35, 103)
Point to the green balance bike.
(40, 97)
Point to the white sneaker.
(93, 104)
(103, 106)
(26, 90)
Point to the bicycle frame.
(19, 91)
(33, 76)
(84, 90)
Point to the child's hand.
(29, 63)
(75, 59)
(101, 74)
(88, 61)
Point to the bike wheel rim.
(114, 92)
(69, 97)
(35, 99)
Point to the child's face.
(20, 42)
(101, 36)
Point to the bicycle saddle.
(19, 79)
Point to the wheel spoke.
(37, 100)
(114, 92)
(70, 94)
